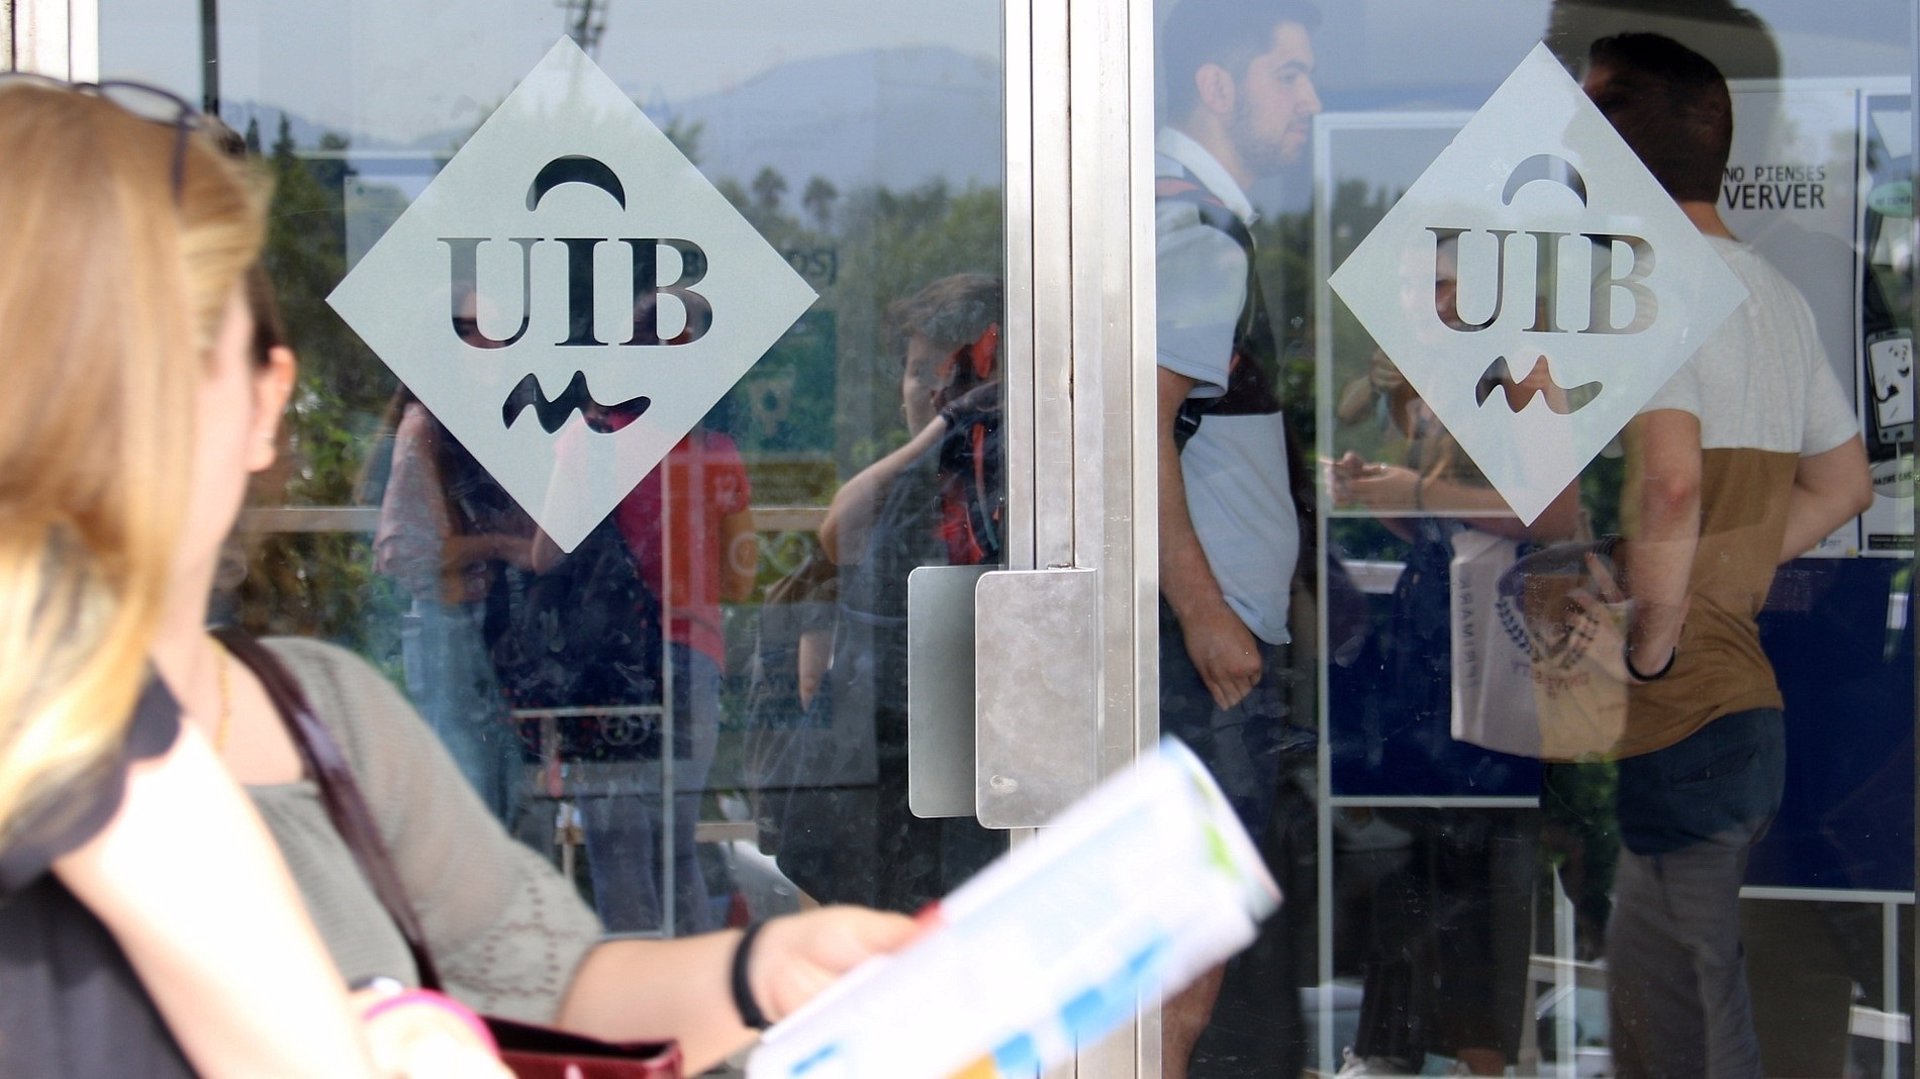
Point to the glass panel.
(690, 694)
(1470, 372)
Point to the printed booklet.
(1126, 897)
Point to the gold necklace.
(226, 696)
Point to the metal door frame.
(1080, 87)
(60, 38)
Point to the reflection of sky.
(399, 71)
(1417, 55)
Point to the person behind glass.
(1240, 101)
(711, 557)
(446, 530)
(937, 500)
(1748, 457)
(148, 924)
(1446, 964)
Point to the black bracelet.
(743, 1002)
(1626, 654)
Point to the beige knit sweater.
(506, 931)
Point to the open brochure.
(1131, 893)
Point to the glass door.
(646, 351)
(1460, 309)
(718, 328)
(649, 357)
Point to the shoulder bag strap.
(345, 805)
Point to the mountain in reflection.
(894, 118)
(891, 118)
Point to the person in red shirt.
(690, 530)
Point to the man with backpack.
(1240, 102)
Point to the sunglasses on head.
(150, 103)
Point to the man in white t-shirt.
(1240, 101)
(1750, 456)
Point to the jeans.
(1689, 816)
(451, 679)
(624, 822)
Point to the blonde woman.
(147, 923)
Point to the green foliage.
(343, 387)
(322, 584)
(319, 584)
(1600, 486)
(1284, 247)
(894, 244)
(883, 245)
(1355, 210)
(768, 189)
(818, 198)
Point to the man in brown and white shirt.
(1749, 457)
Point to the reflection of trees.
(818, 198)
(768, 188)
(318, 583)
(884, 244)
(1356, 207)
(894, 243)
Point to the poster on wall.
(1885, 329)
(1792, 190)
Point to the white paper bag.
(1526, 677)
(1493, 684)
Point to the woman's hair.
(113, 287)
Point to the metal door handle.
(1003, 691)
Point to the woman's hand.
(1383, 376)
(796, 957)
(1340, 476)
(1353, 479)
(415, 1035)
(1387, 487)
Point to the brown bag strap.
(339, 793)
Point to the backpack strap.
(1213, 213)
(1253, 345)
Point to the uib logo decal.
(1536, 286)
(570, 296)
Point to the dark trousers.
(1257, 1029)
(1241, 745)
(1452, 931)
(1676, 971)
